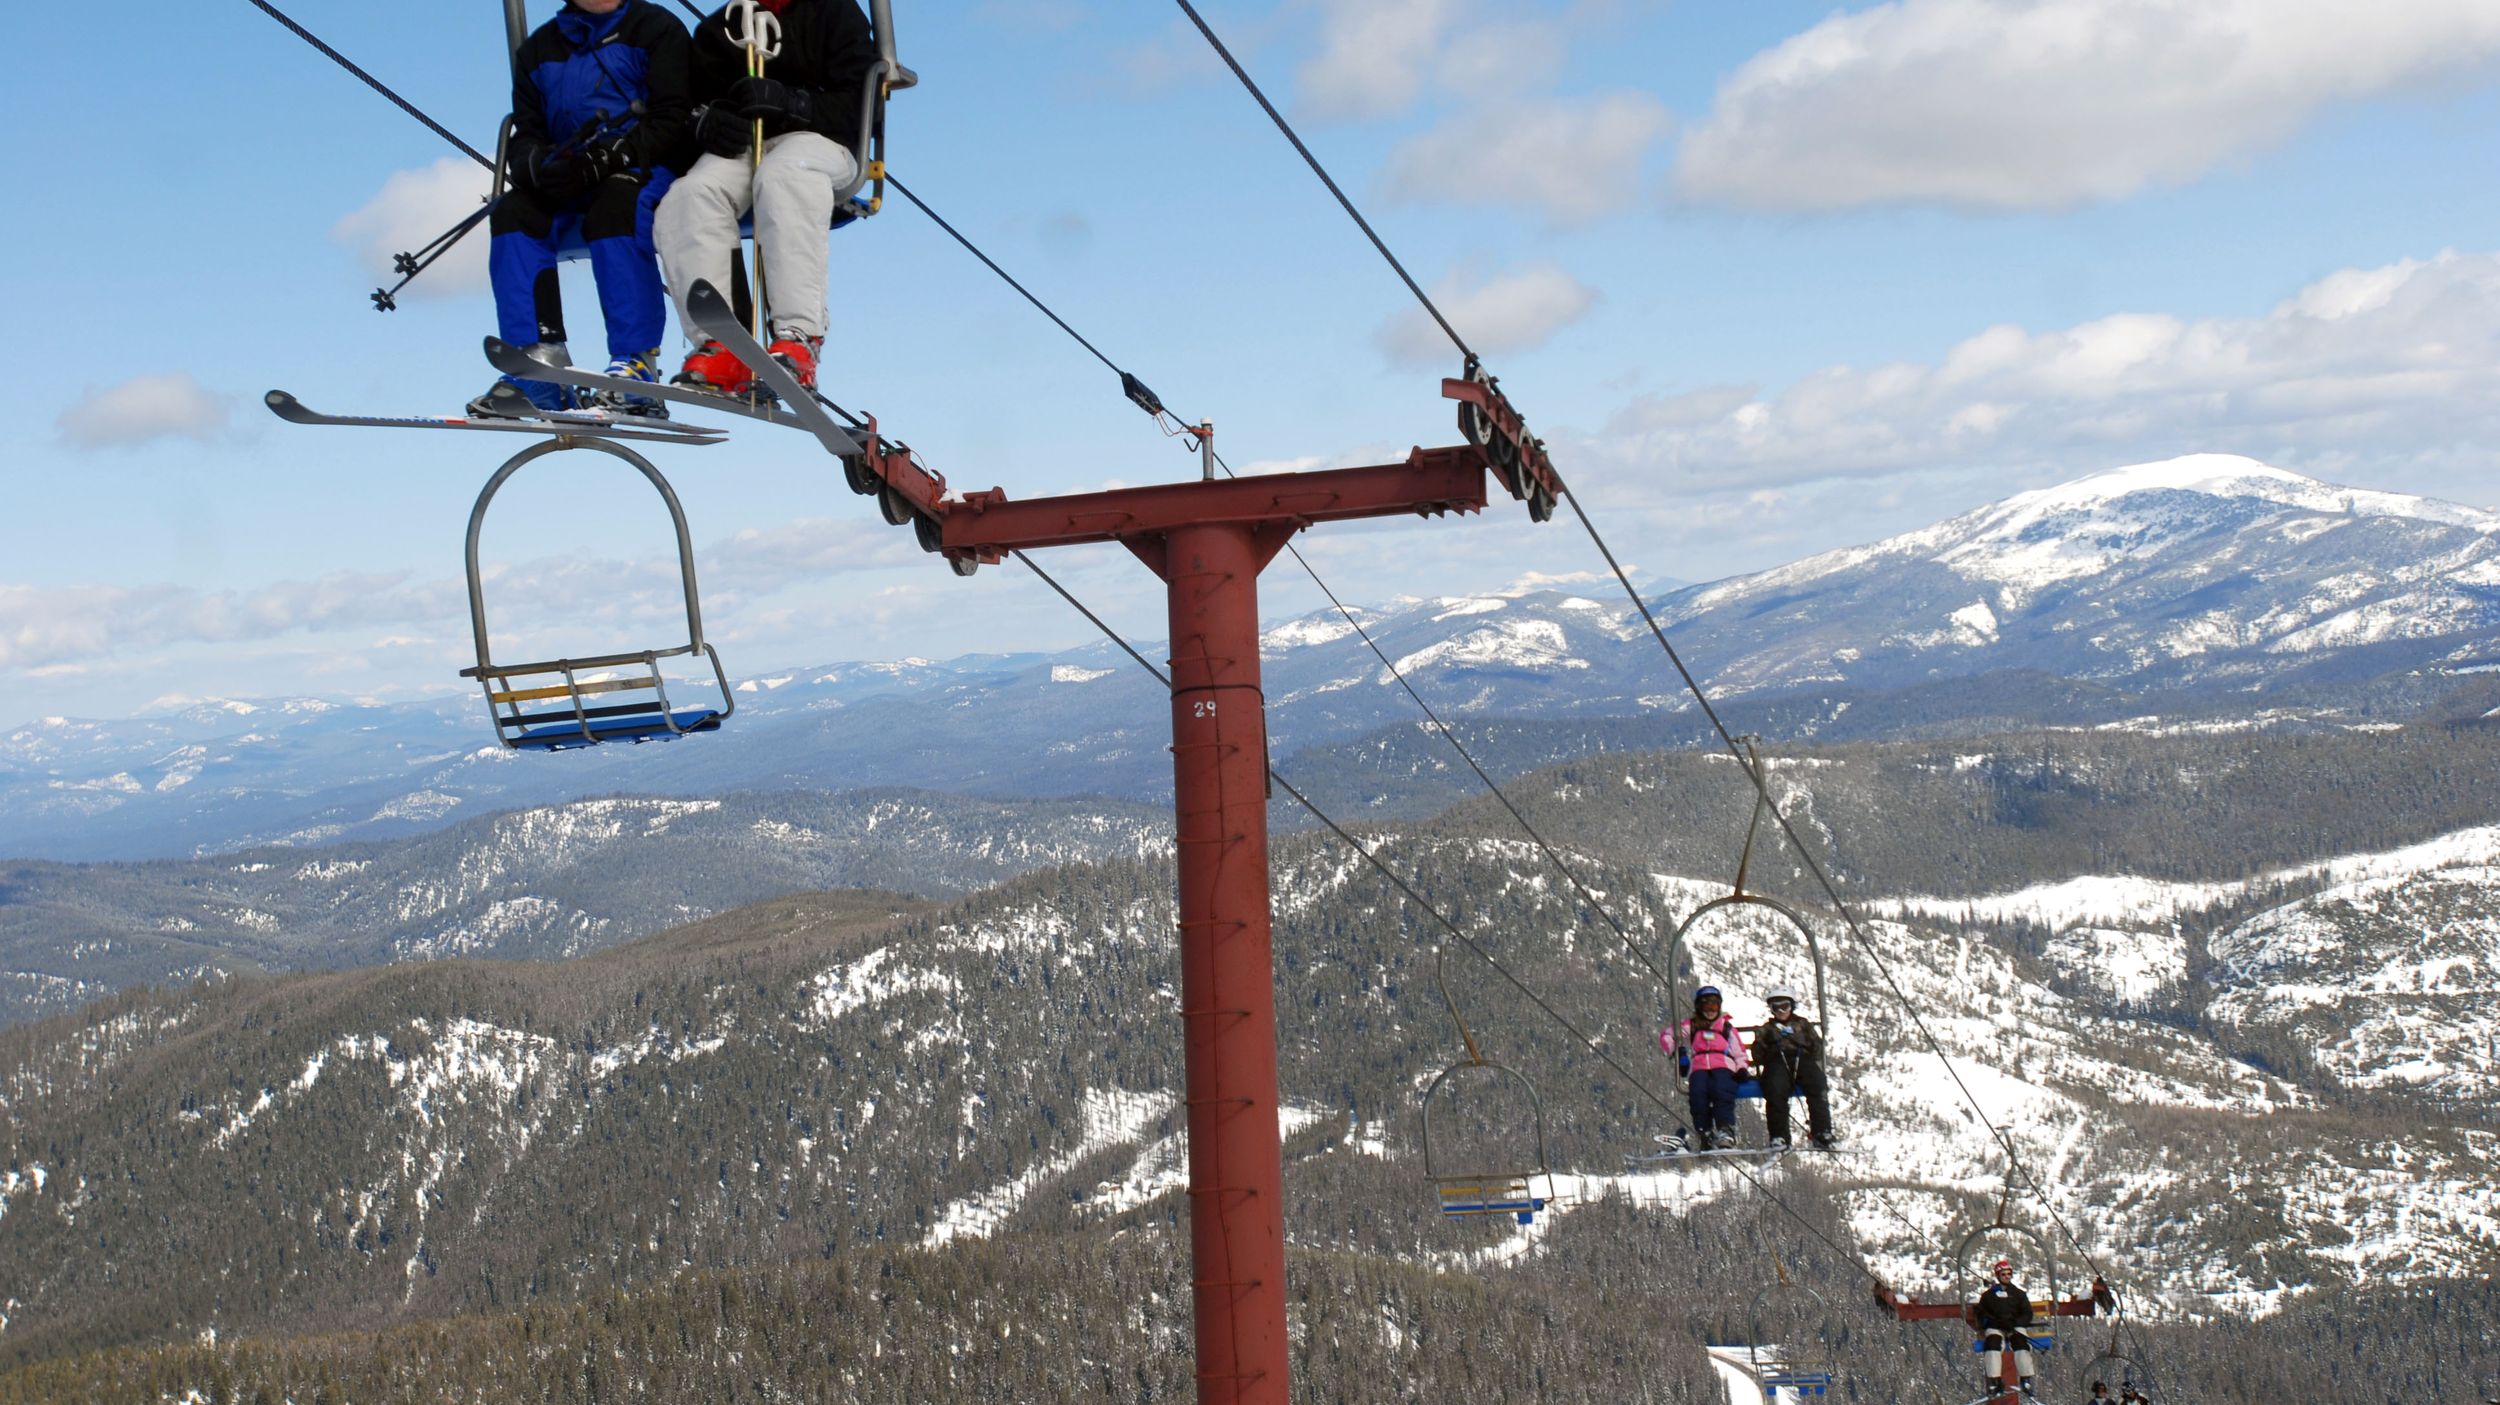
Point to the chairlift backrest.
(1814, 950)
(620, 712)
(1967, 1268)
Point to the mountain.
(851, 1095)
(2208, 591)
(538, 884)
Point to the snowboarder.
(2001, 1313)
(1711, 1055)
(600, 111)
(1788, 1052)
(809, 105)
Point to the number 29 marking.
(1203, 707)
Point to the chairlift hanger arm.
(1430, 482)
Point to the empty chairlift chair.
(1502, 1183)
(620, 697)
(1792, 1367)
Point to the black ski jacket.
(578, 65)
(827, 47)
(2004, 1307)
(1793, 1043)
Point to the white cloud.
(2045, 104)
(1375, 56)
(411, 209)
(56, 627)
(1572, 159)
(173, 405)
(2393, 365)
(1515, 312)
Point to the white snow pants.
(696, 228)
(1996, 1343)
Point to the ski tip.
(284, 406)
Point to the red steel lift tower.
(1208, 541)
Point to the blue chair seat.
(633, 727)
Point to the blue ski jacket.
(579, 65)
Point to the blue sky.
(1772, 278)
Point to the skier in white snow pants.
(792, 196)
(807, 104)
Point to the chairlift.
(1810, 1375)
(1505, 1189)
(886, 77)
(1738, 897)
(2121, 1372)
(548, 706)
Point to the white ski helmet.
(1780, 993)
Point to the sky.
(1770, 278)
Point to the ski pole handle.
(755, 29)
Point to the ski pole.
(409, 265)
(758, 31)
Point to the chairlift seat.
(1802, 1381)
(2040, 1341)
(1507, 1196)
(559, 704)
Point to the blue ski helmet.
(1708, 992)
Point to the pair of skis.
(780, 398)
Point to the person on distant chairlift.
(599, 127)
(1710, 1053)
(2129, 1395)
(1788, 1057)
(2100, 1395)
(809, 102)
(2001, 1313)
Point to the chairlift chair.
(2123, 1373)
(1737, 896)
(1505, 1189)
(1809, 1376)
(549, 705)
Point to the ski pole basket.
(557, 704)
(1509, 1186)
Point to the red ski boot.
(799, 354)
(715, 368)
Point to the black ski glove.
(719, 130)
(782, 107)
(613, 157)
(558, 179)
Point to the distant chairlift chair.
(1505, 1189)
(550, 706)
(1787, 1371)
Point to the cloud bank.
(2048, 104)
(2364, 365)
(144, 410)
(413, 207)
(1513, 312)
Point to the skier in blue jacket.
(600, 116)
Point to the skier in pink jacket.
(1711, 1055)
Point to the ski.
(1759, 1153)
(580, 423)
(513, 361)
(715, 318)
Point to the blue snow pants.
(1713, 1097)
(615, 223)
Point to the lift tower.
(1208, 542)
